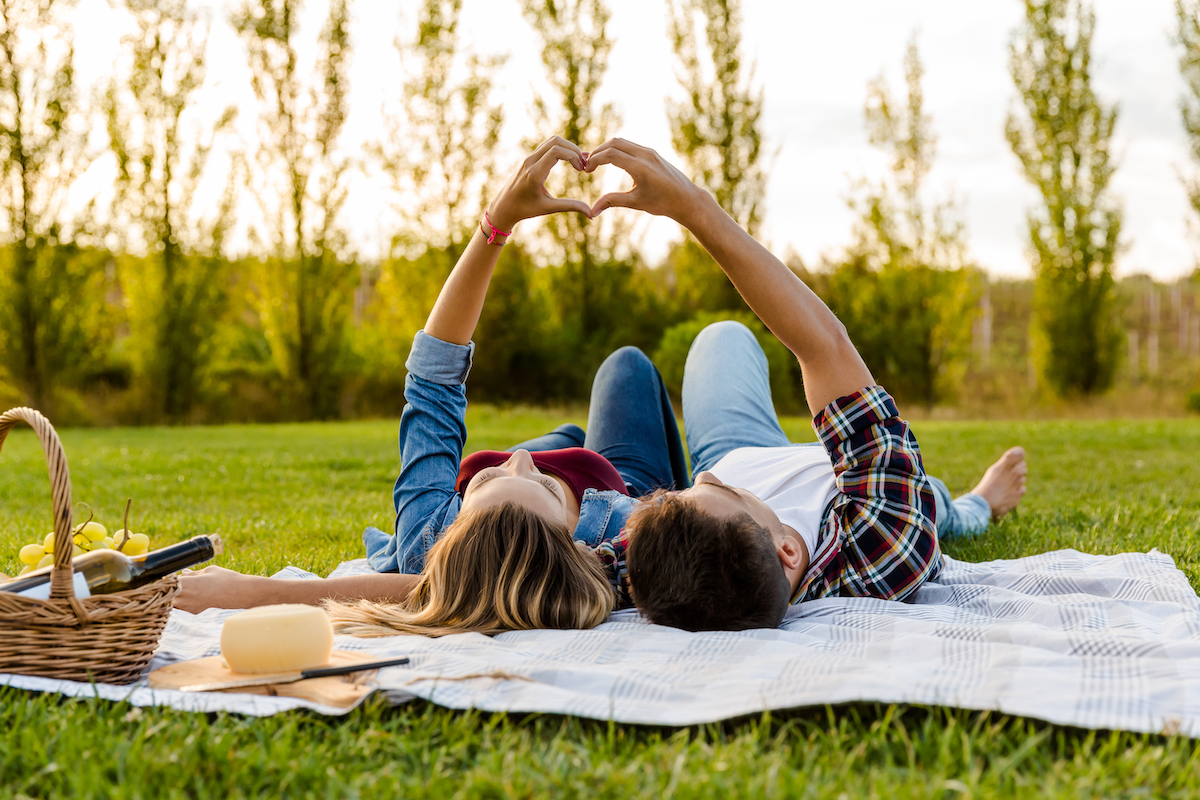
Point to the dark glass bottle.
(108, 571)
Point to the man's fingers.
(616, 200)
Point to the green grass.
(302, 494)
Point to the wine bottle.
(108, 571)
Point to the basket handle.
(61, 576)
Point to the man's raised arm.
(831, 365)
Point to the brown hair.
(494, 569)
(692, 570)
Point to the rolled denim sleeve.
(433, 431)
(880, 537)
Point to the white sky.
(814, 60)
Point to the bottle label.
(42, 591)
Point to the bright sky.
(814, 60)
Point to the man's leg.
(566, 435)
(966, 516)
(632, 424)
(998, 492)
(727, 395)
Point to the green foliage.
(56, 325)
(697, 281)
(1061, 135)
(442, 154)
(717, 129)
(1187, 16)
(301, 494)
(717, 133)
(671, 356)
(46, 290)
(173, 295)
(586, 258)
(306, 286)
(904, 289)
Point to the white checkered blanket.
(1075, 639)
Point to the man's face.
(712, 496)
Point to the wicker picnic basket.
(107, 638)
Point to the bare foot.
(1003, 485)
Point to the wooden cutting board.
(339, 691)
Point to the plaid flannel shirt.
(879, 537)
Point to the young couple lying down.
(559, 531)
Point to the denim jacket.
(433, 431)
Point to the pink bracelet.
(491, 237)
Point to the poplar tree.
(717, 132)
(440, 155)
(904, 288)
(173, 293)
(575, 51)
(306, 285)
(1060, 132)
(51, 298)
(1187, 16)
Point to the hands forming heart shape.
(658, 187)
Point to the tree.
(717, 133)
(1061, 136)
(575, 51)
(52, 299)
(305, 287)
(903, 289)
(173, 294)
(441, 155)
(1187, 14)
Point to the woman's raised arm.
(831, 365)
(457, 309)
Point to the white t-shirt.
(796, 482)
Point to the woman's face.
(519, 481)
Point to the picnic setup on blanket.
(1095, 641)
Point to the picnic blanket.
(1067, 637)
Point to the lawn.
(301, 494)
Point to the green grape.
(31, 553)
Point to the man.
(769, 523)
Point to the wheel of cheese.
(280, 638)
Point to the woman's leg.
(727, 395)
(632, 424)
(566, 435)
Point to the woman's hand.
(658, 187)
(214, 587)
(525, 196)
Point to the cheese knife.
(292, 677)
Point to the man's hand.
(658, 187)
(525, 196)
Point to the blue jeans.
(727, 405)
(630, 422)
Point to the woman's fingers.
(554, 154)
(608, 153)
(555, 141)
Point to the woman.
(498, 541)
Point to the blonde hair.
(494, 569)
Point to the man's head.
(713, 557)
